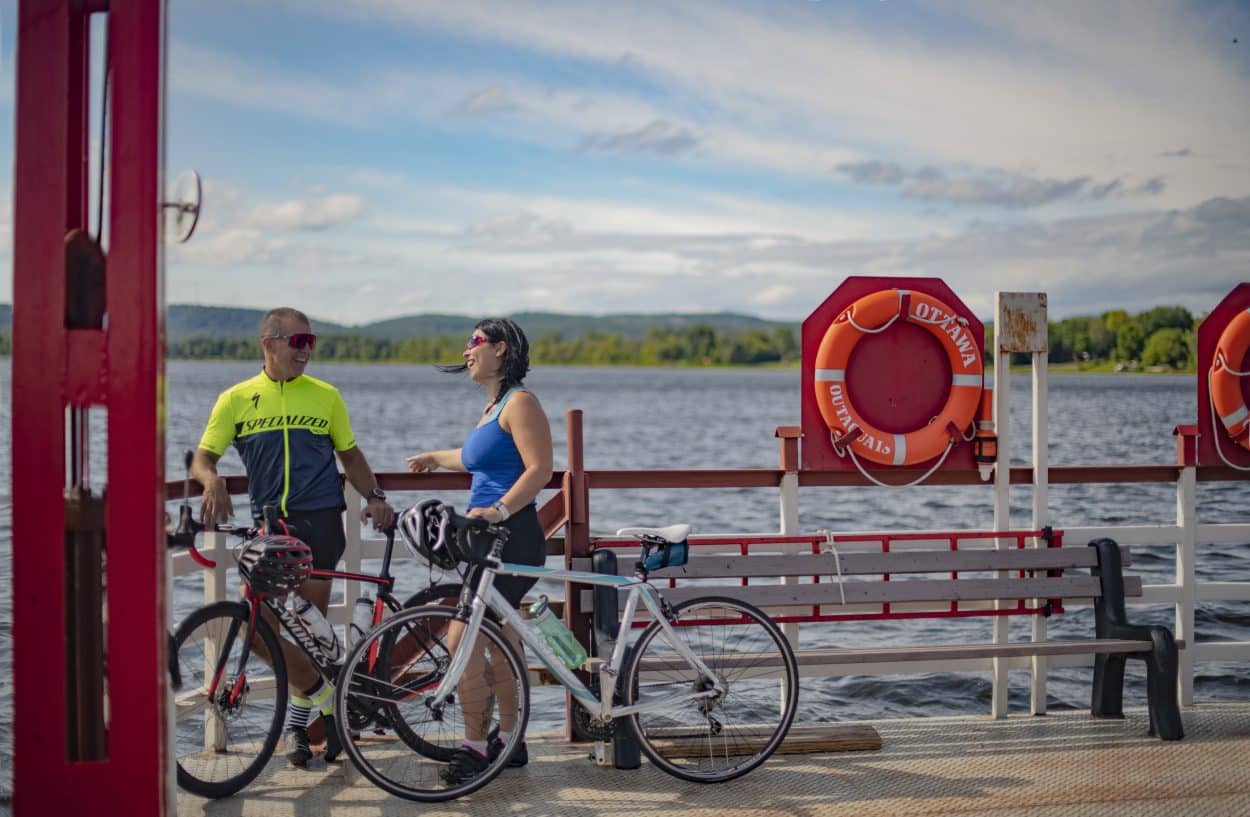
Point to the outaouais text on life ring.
(875, 313)
(1225, 380)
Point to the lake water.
(679, 418)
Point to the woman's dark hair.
(515, 363)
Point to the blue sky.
(371, 158)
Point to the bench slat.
(861, 564)
(918, 652)
(881, 592)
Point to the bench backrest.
(916, 579)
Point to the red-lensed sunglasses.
(299, 340)
(476, 341)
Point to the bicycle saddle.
(672, 533)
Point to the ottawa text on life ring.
(874, 313)
(1225, 381)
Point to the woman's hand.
(425, 461)
(489, 514)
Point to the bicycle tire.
(713, 740)
(434, 594)
(366, 714)
(220, 772)
(415, 776)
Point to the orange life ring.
(1225, 381)
(874, 313)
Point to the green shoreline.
(1101, 368)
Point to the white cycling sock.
(298, 712)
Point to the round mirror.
(182, 212)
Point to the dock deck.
(1065, 764)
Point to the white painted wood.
(1221, 651)
(1002, 484)
(1041, 509)
(1223, 591)
(805, 565)
(1186, 551)
(788, 511)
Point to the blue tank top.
(492, 458)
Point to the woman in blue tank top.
(509, 455)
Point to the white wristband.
(504, 513)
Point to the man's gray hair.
(271, 324)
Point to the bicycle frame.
(601, 706)
(290, 622)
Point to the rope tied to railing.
(832, 547)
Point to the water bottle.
(362, 619)
(567, 648)
(316, 623)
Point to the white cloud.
(309, 214)
(1102, 91)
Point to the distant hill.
(186, 321)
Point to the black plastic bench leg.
(1111, 621)
(1108, 692)
(1161, 686)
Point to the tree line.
(699, 345)
(1163, 336)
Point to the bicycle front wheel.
(723, 736)
(225, 726)
(412, 656)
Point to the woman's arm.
(525, 420)
(448, 458)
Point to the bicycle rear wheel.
(719, 738)
(223, 738)
(404, 690)
(368, 713)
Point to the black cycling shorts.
(322, 531)
(526, 545)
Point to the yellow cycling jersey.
(286, 433)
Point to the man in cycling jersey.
(287, 428)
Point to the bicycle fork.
(240, 681)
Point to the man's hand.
(216, 506)
(383, 514)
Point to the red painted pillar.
(63, 364)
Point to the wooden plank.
(879, 592)
(875, 563)
(915, 652)
(801, 739)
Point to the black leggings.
(527, 546)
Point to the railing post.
(1041, 512)
(215, 582)
(1186, 555)
(576, 542)
(351, 555)
(788, 437)
(1020, 325)
(1002, 492)
(214, 591)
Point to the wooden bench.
(910, 577)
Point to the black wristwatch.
(376, 493)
